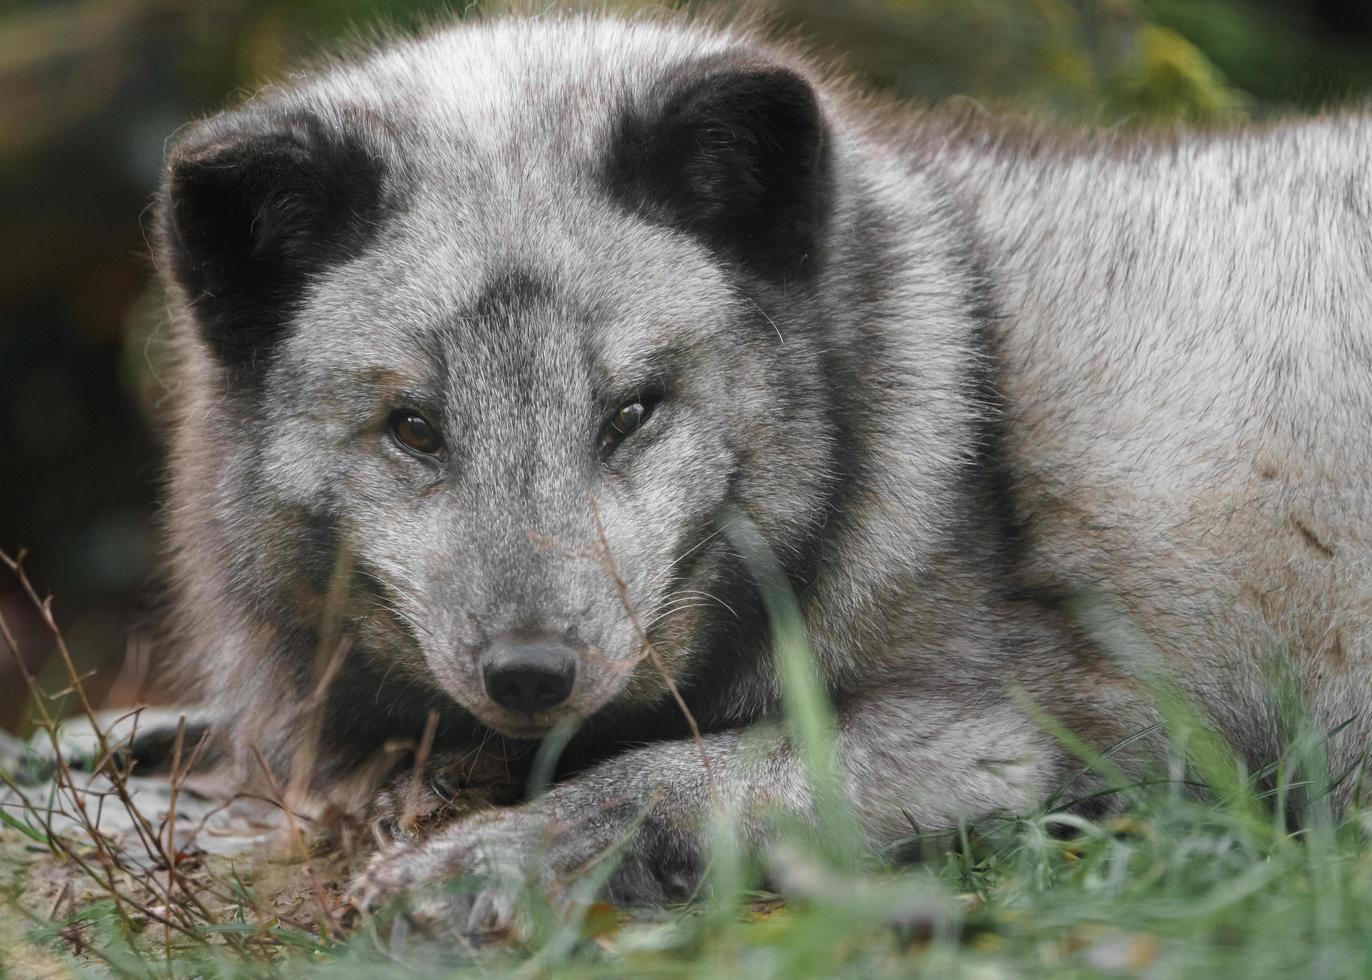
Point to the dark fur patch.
(370, 705)
(320, 540)
(256, 202)
(735, 153)
(516, 288)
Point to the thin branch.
(611, 567)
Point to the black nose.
(529, 676)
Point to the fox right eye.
(414, 433)
(624, 423)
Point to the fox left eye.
(623, 424)
(414, 432)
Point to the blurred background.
(90, 90)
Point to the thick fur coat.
(483, 339)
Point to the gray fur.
(1000, 369)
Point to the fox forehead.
(622, 304)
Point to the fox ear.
(738, 154)
(252, 205)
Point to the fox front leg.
(632, 830)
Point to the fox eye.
(623, 424)
(414, 432)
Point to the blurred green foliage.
(1098, 60)
(1283, 54)
(91, 89)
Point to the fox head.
(491, 335)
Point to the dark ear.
(738, 155)
(254, 203)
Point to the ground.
(1180, 882)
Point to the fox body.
(484, 339)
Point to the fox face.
(490, 378)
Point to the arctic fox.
(494, 344)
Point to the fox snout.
(528, 676)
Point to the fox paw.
(467, 882)
(503, 870)
(449, 788)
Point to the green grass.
(1180, 884)
(1175, 888)
(1206, 871)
